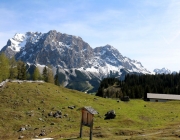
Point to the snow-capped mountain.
(162, 71)
(71, 55)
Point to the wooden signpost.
(87, 119)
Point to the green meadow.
(27, 105)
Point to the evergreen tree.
(50, 76)
(131, 93)
(137, 93)
(36, 74)
(56, 78)
(147, 90)
(4, 67)
(21, 68)
(45, 74)
(100, 91)
(13, 68)
(28, 76)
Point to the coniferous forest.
(137, 86)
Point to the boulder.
(22, 129)
(125, 98)
(52, 123)
(50, 114)
(110, 115)
(72, 107)
(57, 114)
(43, 133)
(21, 137)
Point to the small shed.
(87, 118)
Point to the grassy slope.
(29, 104)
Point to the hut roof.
(90, 109)
(163, 96)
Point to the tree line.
(137, 86)
(12, 69)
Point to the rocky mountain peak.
(162, 71)
(52, 48)
(18, 37)
(109, 47)
(68, 51)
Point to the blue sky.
(143, 30)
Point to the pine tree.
(4, 67)
(21, 67)
(56, 78)
(45, 74)
(28, 76)
(147, 90)
(137, 92)
(13, 68)
(50, 76)
(36, 74)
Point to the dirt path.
(172, 132)
(151, 134)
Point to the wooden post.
(91, 128)
(81, 125)
(90, 137)
(81, 130)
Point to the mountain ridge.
(71, 53)
(163, 71)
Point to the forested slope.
(137, 86)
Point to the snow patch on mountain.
(17, 42)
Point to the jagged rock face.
(13, 45)
(68, 51)
(109, 54)
(54, 48)
(8, 51)
(112, 56)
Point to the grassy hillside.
(27, 106)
